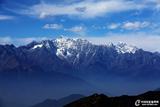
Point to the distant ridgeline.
(147, 99)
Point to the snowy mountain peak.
(69, 42)
(66, 47)
(124, 48)
(45, 43)
(64, 42)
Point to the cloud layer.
(53, 26)
(135, 25)
(6, 17)
(83, 9)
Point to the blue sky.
(107, 20)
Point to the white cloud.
(83, 9)
(158, 5)
(5, 17)
(76, 29)
(114, 26)
(80, 30)
(136, 25)
(154, 3)
(53, 26)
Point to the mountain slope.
(29, 88)
(60, 102)
(47, 103)
(100, 100)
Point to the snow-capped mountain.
(66, 47)
(124, 48)
(65, 54)
(67, 65)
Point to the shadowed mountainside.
(101, 100)
(59, 103)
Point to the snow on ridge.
(124, 48)
(65, 44)
(37, 46)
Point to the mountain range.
(69, 55)
(63, 66)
